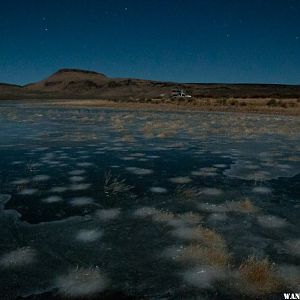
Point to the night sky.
(248, 41)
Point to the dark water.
(65, 233)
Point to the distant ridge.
(84, 84)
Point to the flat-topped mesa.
(67, 70)
(70, 80)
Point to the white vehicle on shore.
(180, 94)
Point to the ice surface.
(190, 173)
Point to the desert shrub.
(284, 104)
(273, 102)
(113, 84)
(223, 101)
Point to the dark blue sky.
(189, 41)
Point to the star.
(46, 29)
(297, 37)
(126, 8)
(228, 35)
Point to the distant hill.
(80, 84)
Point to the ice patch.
(291, 275)
(271, 221)
(108, 214)
(203, 277)
(39, 178)
(20, 257)
(187, 233)
(180, 180)
(212, 192)
(81, 283)
(58, 189)
(76, 178)
(262, 190)
(81, 201)
(80, 187)
(21, 181)
(293, 247)
(139, 171)
(52, 199)
(77, 172)
(137, 154)
(88, 235)
(84, 164)
(145, 211)
(127, 158)
(220, 208)
(221, 166)
(158, 190)
(28, 192)
(204, 174)
(153, 156)
(217, 217)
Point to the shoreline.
(184, 107)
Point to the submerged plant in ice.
(114, 186)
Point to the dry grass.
(210, 250)
(259, 277)
(187, 193)
(163, 216)
(211, 238)
(198, 254)
(242, 206)
(190, 218)
(128, 138)
(161, 128)
(148, 130)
